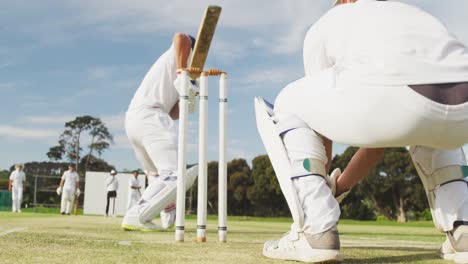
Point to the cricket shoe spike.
(455, 247)
(319, 248)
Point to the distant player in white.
(134, 190)
(149, 124)
(112, 185)
(16, 185)
(68, 188)
(377, 74)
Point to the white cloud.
(46, 119)
(271, 77)
(27, 133)
(121, 142)
(277, 26)
(8, 86)
(114, 122)
(281, 22)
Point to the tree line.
(392, 190)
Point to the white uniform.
(18, 178)
(133, 194)
(69, 188)
(359, 60)
(149, 127)
(152, 134)
(112, 184)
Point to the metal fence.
(44, 192)
(5, 200)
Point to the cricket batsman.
(377, 74)
(149, 124)
(69, 188)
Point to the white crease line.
(12, 231)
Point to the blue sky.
(61, 59)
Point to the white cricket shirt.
(70, 180)
(17, 178)
(157, 88)
(132, 182)
(112, 184)
(389, 43)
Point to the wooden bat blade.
(204, 37)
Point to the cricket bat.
(204, 37)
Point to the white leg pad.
(279, 159)
(161, 193)
(441, 172)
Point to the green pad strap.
(465, 171)
(314, 166)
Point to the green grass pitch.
(52, 238)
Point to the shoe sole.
(461, 257)
(137, 228)
(315, 256)
(447, 256)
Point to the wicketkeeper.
(149, 124)
(377, 74)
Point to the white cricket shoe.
(455, 246)
(132, 223)
(168, 216)
(319, 248)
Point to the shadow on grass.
(395, 259)
(355, 234)
(390, 248)
(425, 255)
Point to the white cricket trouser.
(359, 114)
(68, 197)
(365, 115)
(133, 198)
(321, 210)
(154, 139)
(17, 198)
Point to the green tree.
(239, 181)
(69, 144)
(394, 187)
(92, 163)
(356, 205)
(4, 178)
(265, 194)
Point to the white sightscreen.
(96, 194)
